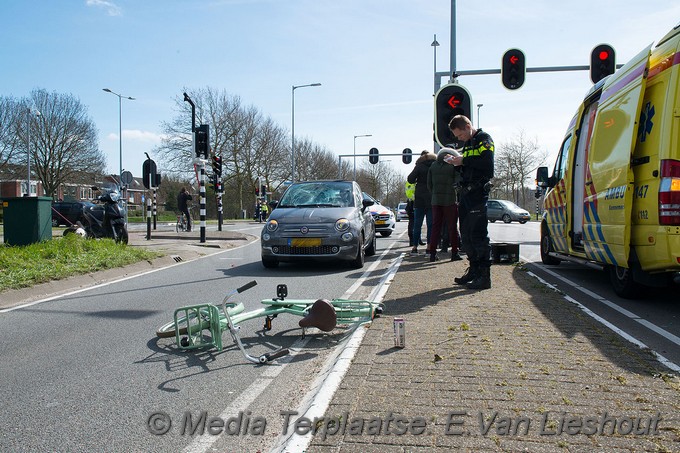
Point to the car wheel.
(358, 262)
(492, 220)
(506, 218)
(370, 250)
(546, 248)
(622, 281)
(522, 222)
(269, 263)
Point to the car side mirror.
(273, 204)
(365, 204)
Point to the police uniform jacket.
(478, 159)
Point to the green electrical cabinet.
(27, 220)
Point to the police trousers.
(474, 227)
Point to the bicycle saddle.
(321, 315)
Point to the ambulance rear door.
(608, 187)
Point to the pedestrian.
(442, 180)
(265, 211)
(422, 204)
(410, 190)
(477, 166)
(182, 205)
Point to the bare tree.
(515, 163)
(63, 139)
(8, 137)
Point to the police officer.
(477, 166)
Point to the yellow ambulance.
(613, 199)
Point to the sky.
(373, 58)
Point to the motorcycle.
(104, 220)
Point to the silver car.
(507, 211)
(319, 220)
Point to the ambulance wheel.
(622, 281)
(546, 248)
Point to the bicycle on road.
(181, 223)
(202, 326)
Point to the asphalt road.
(85, 372)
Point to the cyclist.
(182, 199)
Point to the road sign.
(126, 177)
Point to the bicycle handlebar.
(264, 358)
(246, 286)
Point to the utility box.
(502, 252)
(27, 220)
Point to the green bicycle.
(202, 326)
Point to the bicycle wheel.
(168, 330)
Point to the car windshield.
(509, 204)
(330, 194)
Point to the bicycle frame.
(205, 323)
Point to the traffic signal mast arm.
(537, 69)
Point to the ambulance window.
(562, 159)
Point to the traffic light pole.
(201, 197)
(218, 188)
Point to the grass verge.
(25, 266)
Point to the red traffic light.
(454, 101)
(602, 62)
(513, 69)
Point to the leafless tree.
(515, 163)
(63, 139)
(8, 137)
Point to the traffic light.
(513, 69)
(538, 192)
(257, 191)
(602, 62)
(217, 166)
(263, 190)
(407, 155)
(449, 101)
(202, 141)
(373, 155)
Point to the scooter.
(106, 220)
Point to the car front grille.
(317, 250)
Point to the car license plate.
(380, 222)
(305, 242)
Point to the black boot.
(469, 275)
(483, 279)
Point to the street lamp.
(355, 153)
(479, 106)
(435, 44)
(292, 145)
(120, 131)
(28, 150)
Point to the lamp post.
(355, 153)
(120, 131)
(479, 106)
(292, 145)
(28, 150)
(435, 44)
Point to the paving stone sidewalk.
(513, 368)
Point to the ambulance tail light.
(669, 193)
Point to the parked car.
(507, 211)
(68, 212)
(385, 220)
(401, 212)
(319, 220)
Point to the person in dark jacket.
(442, 180)
(422, 205)
(182, 205)
(477, 165)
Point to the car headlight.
(272, 225)
(342, 224)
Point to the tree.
(63, 140)
(515, 163)
(8, 136)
